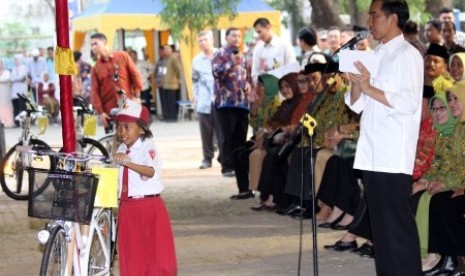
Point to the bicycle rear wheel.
(109, 142)
(55, 254)
(98, 263)
(13, 174)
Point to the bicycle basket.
(61, 195)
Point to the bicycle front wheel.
(101, 249)
(13, 174)
(55, 254)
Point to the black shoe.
(365, 250)
(295, 211)
(260, 207)
(331, 224)
(339, 227)
(342, 246)
(205, 164)
(306, 214)
(446, 265)
(228, 173)
(245, 195)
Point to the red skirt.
(145, 238)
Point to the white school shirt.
(388, 136)
(277, 53)
(143, 153)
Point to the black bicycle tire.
(3, 163)
(107, 213)
(95, 144)
(49, 246)
(110, 137)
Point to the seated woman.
(446, 185)
(265, 105)
(47, 97)
(280, 125)
(456, 67)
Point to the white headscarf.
(45, 84)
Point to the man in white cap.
(35, 68)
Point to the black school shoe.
(366, 250)
(247, 195)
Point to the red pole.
(66, 95)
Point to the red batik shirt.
(104, 96)
(425, 148)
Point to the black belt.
(143, 196)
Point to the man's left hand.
(362, 79)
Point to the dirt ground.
(213, 234)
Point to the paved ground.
(213, 235)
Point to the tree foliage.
(195, 15)
(294, 13)
(12, 38)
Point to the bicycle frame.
(79, 247)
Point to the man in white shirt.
(391, 104)
(272, 52)
(36, 67)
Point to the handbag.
(346, 148)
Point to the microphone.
(350, 44)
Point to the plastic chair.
(185, 108)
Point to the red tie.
(124, 192)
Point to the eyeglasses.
(439, 108)
(93, 44)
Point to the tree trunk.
(325, 14)
(433, 6)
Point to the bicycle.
(68, 199)
(86, 144)
(13, 164)
(110, 140)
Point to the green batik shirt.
(449, 158)
(264, 113)
(332, 111)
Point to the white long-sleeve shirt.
(388, 136)
(275, 54)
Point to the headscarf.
(446, 129)
(461, 56)
(45, 84)
(459, 91)
(270, 85)
(283, 115)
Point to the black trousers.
(447, 224)
(233, 124)
(170, 111)
(146, 97)
(241, 167)
(394, 231)
(339, 186)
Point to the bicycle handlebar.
(28, 102)
(73, 156)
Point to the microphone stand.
(309, 123)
